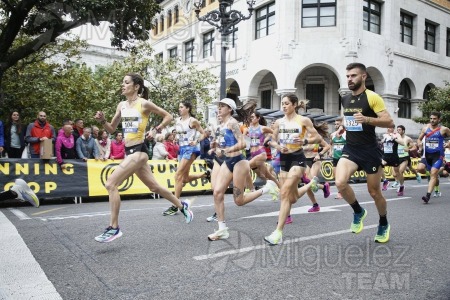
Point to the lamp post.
(224, 19)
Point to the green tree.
(38, 82)
(169, 82)
(438, 100)
(42, 21)
(69, 90)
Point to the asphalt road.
(163, 258)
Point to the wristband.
(305, 142)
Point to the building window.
(372, 16)
(404, 103)
(426, 91)
(155, 29)
(234, 36)
(177, 14)
(173, 53)
(448, 42)
(315, 93)
(430, 36)
(189, 51)
(162, 23)
(169, 18)
(159, 56)
(266, 99)
(203, 4)
(208, 41)
(406, 28)
(318, 13)
(212, 1)
(265, 20)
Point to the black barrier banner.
(46, 178)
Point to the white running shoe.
(396, 184)
(437, 194)
(212, 218)
(219, 235)
(24, 193)
(275, 238)
(273, 189)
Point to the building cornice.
(445, 67)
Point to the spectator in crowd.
(171, 147)
(159, 150)
(38, 131)
(86, 146)
(2, 139)
(61, 130)
(150, 143)
(95, 131)
(205, 145)
(118, 147)
(20, 190)
(103, 144)
(175, 137)
(14, 136)
(65, 145)
(78, 129)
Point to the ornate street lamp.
(224, 19)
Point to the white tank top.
(185, 134)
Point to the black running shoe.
(170, 211)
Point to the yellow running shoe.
(383, 234)
(357, 225)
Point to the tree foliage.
(42, 21)
(169, 82)
(438, 100)
(68, 90)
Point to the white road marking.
(20, 214)
(304, 209)
(285, 242)
(299, 210)
(21, 277)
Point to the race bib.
(351, 124)
(432, 145)
(388, 148)
(338, 147)
(254, 141)
(130, 124)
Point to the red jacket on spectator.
(172, 149)
(117, 150)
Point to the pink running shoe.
(305, 179)
(288, 220)
(326, 190)
(314, 208)
(400, 190)
(385, 185)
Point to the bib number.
(351, 124)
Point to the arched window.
(169, 18)
(426, 91)
(155, 28)
(404, 103)
(177, 14)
